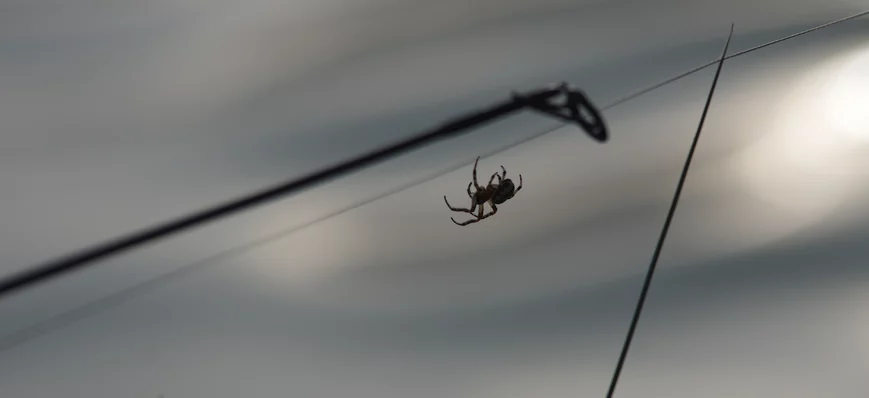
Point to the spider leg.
(489, 214)
(503, 172)
(471, 221)
(493, 178)
(475, 174)
(520, 185)
(471, 210)
(470, 194)
(480, 216)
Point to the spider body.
(504, 191)
(494, 193)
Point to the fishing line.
(736, 54)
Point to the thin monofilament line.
(736, 54)
(660, 245)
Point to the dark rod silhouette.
(541, 101)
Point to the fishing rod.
(561, 102)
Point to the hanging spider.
(493, 194)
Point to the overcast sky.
(119, 115)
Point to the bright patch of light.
(802, 164)
(287, 257)
(847, 99)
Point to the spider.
(493, 194)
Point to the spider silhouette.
(494, 193)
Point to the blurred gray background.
(117, 115)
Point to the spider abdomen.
(504, 192)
